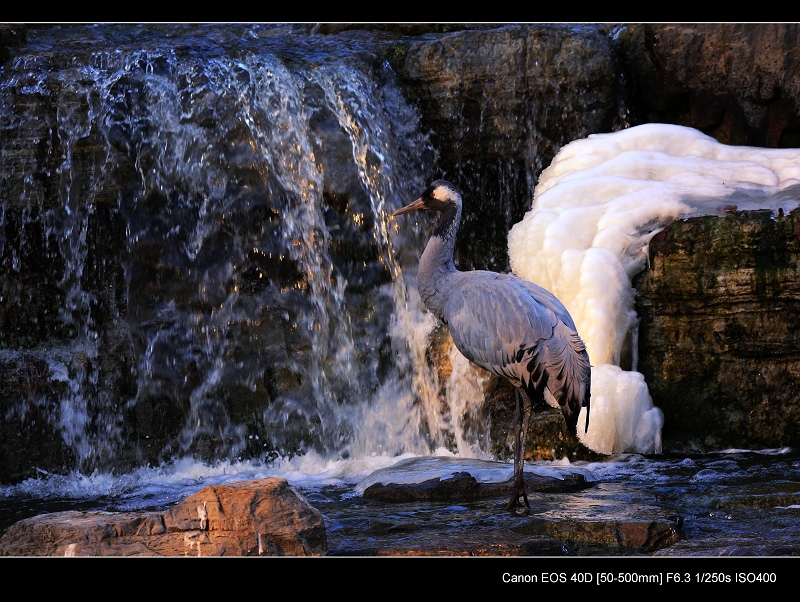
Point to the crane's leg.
(520, 439)
(515, 493)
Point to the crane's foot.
(517, 499)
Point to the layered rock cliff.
(719, 330)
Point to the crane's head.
(439, 196)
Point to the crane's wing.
(519, 330)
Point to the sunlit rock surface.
(252, 518)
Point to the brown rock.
(640, 536)
(737, 82)
(720, 333)
(267, 517)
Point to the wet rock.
(11, 36)
(32, 385)
(477, 523)
(457, 515)
(485, 543)
(518, 536)
(611, 537)
(463, 486)
(720, 333)
(268, 517)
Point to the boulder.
(462, 486)
(267, 517)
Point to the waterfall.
(220, 278)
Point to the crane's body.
(507, 325)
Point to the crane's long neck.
(436, 266)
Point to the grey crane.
(507, 325)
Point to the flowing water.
(219, 294)
(243, 282)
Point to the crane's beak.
(415, 206)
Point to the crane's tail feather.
(562, 365)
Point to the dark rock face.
(11, 36)
(720, 332)
(35, 333)
(739, 83)
(505, 100)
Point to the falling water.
(242, 314)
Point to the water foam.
(594, 211)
